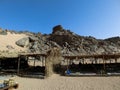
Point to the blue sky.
(97, 18)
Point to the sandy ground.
(57, 82)
(10, 39)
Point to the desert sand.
(56, 82)
(10, 39)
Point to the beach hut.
(103, 64)
(9, 63)
(49, 63)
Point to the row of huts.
(53, 61)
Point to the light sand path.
(57, 82)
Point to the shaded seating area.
(9, 65)
(95, 68)
(93, 65)
(19, 65)
(32, 64)
(44, 65)
(36, 66)
(40, 65)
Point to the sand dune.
(57, 82)
(10, 39)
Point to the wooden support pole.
(27, 58)
(99, 60)
(0, 62)
(95, 60)
(83, 60)
(18, 69)
(45, 62)
(110, 61)
(67, 64)
(80, 61)
(70, 62)
(76, 58)
(34, 62)
(92, 61)
(42, 61)
(104, 65)
(115, 60)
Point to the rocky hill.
(69, 42)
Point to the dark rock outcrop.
(57, 29)
(24, 42)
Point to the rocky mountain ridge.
(69, 42)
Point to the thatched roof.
(15, 54)
(33, 54)
(8, 55)
(103, 56)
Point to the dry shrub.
(53, 58)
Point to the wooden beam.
(18, 69)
